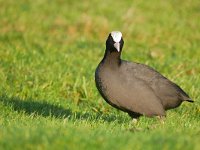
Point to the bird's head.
(114, 42)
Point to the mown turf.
(48, 54)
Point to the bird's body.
(135, 88)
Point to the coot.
(133, 87)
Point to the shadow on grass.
(42, 108)
(30, 106)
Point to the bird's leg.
(134, 125)
(161, 119)
(134, 121)
(134, 117)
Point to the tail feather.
(186, 97)
(190, 100)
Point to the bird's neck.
(112, 58)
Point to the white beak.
(117, 46)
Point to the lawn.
(49, 51)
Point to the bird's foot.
(161, 122)
(134, 121)
(134, 124)
(161, 119)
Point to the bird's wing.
(165, 89)
(134, 95)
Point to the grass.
(48, 54)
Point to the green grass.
(48, 54)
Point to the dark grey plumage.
(132, 87)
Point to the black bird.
(132, 87)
